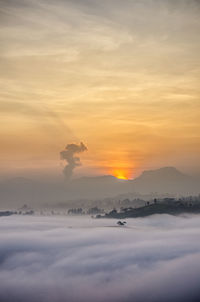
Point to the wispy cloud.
(124, 64)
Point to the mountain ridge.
(159, 181)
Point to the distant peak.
(162, 172)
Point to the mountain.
(18, 191)
(166, 180)
(98, 187)
(161, 181)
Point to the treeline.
(166, 206)
(9, 213)
(90, 211)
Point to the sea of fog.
(76, 259)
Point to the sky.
(51, 259)
(120, 76)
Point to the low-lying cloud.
(51, 259)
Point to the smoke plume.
(69, 156)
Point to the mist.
(51, 259)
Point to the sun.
(120, 174)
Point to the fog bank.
(51, 259)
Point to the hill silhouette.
(18, 191)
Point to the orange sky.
(121, 76)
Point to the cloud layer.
(68, 259)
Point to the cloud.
(50, 259)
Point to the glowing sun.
(120, 174)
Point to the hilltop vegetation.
(166, 206)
